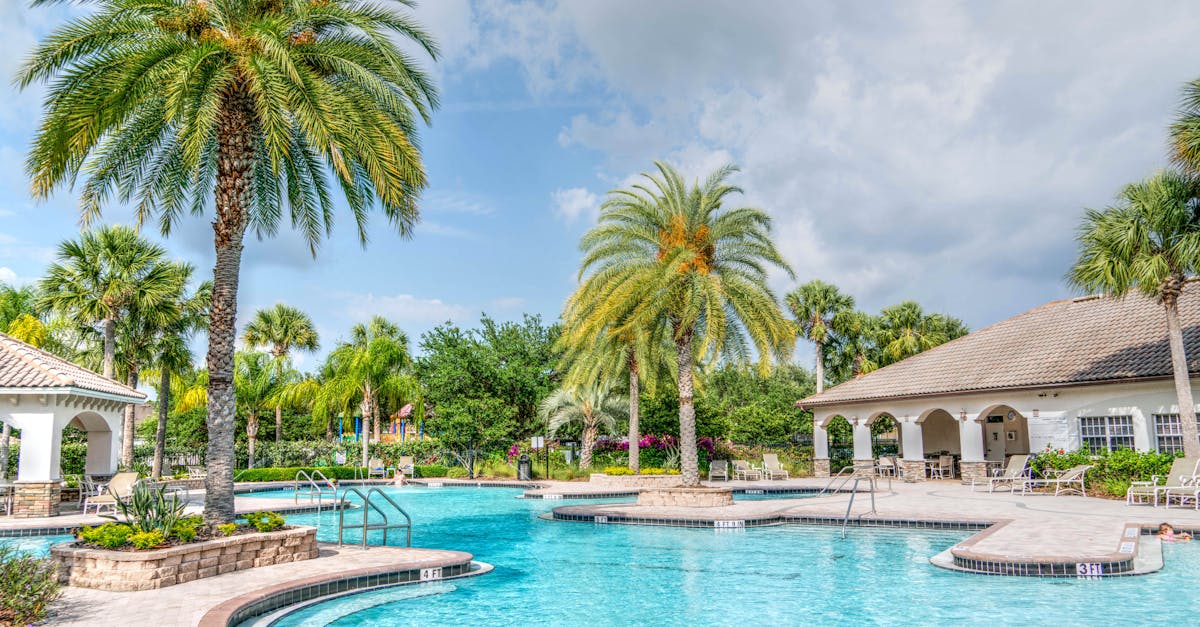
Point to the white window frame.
(1107, 425)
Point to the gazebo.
(40, 394)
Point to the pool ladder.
(367, 507)
(854, 491)
(840, 475)
(306, 483)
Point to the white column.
(913, 440)
(862, 441)
(970, 440)
(820, 440)
(41, 446)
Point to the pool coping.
(265, 601)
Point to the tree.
(256, 383)
(283, 328)
(242, 108)
(905, 330)
(1149, 241)
(98, 278)
(816, 305)
(668, 252)
(188, 314)
(592, 407)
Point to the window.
(1106, 433)
(1168, 433)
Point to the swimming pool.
(37, 545)
(550, 572)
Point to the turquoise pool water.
(37, 545)
(554, 573)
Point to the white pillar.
(862, 441)
(913, 440)
(41, 446)
(820, 441)
(970, 440)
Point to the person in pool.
(1166, 533)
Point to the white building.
(40, 394)
(1092, 371)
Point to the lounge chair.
(120, 488)
(887, 467)
(1062, 481)
(718, 468)
(1181, 475)
(376, 468)
(1017, 470)
(772, 468)
(197, 472)
(944, 469)
(743, 470)
(405, 465)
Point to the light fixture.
(1012, 415)
(962, 415)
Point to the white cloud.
(7, 276)
(445, 230)
(508, 303)
(402, 308)
(455, 201)
(575, 203)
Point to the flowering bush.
(27, 586)
(617, 470)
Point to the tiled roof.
(23, 366)
(1068, 342)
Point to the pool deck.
(210, 602)
(1035, 528)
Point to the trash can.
(524, 469)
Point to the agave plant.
(150, 509)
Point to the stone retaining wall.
(635, 481)
(124, 571)
(36, 499)
(685, 497)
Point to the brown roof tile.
(23, 366)
(1068, 342)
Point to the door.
(993, 439)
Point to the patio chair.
(1181, 475)
(197, 472)
(1062, 481)
(1017, 470)
(943, 469)
(718, 468)
(376, 468)
(743, 470)
(120, 488)
(887, 467)
(772, 468)
(405, 465)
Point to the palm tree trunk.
(278, 424)
(251, 437)
(1183, 383)
(688, 465)
(5, 440)
(110, 346)
(634, 436)
(366, 423)
(127, 427)
(375, 418)
(820, 367)
(589, 442)
(160, 434)
(237, 131)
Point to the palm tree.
(905, 330)
(282, 328)
(375, 364)
(104, 274)
(256, 384)
(1148, 241)
(667, 253)
(855, 352)
(239, 107)
(188, 315)
(815, 305)
(16, 302)
(592, 407)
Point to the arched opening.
(101, 442)
(841, 443)
(885, 435)
(939, 434)
(1005, 432)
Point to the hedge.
(289, 474)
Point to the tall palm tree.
(856, 352)
(815, 305)
(283, 328)
(188, 315)
(98, 278)
(667, 252)
(256, 383)
(905, 330)
(1149, 241)
(241, 107)
(592, 407)
(374, 364)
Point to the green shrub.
(457, 472)
(430, 471)
(617, 470)
(185, 529)
(659, 471)
(289, 473)
(227, 529)
(108, 535)
(494, 468)
(27, 587)
(147, 539)
(150, 509)
(1111, 471)
(265, 521)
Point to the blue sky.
(940, 151)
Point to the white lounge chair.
(1062, 481)
(718, 468)
(1016, 471)
(772, 468)
(743, 470)
(376, 468)
(1181, 476)
(119, 488)
(887, 467)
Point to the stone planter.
(685, 497)
(124, 571)
(634, 481)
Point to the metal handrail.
(367, 506)
(840, 475)
(854, 491)
(312, 487)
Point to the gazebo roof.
(27, 369)
(1079, 341)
